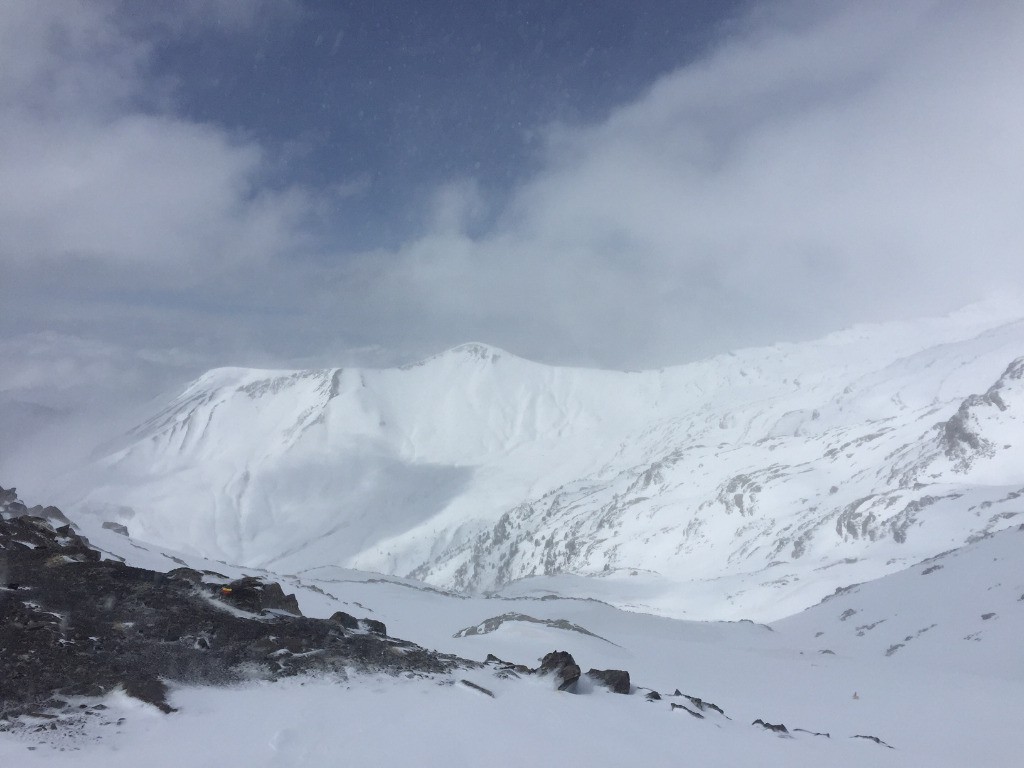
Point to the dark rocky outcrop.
(349, 621)
(12, 507)
(563, 666)
(252, 595)
(775, 727)
(687, 710)
(704, 706)
(615, 680)
(74, 624)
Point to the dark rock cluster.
(76, 625)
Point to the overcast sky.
(623, 184)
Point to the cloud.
(823, 166)
(121, 221)
(139, 188)
(95, 165)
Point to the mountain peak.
(479, 351)
(472, 351)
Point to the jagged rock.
(616, 680)
(12, 507)
(653, 696)
(777, 728)
(564, 667)
(349, 621)
(252, 595)
(704, 706)
(506, 668)
(116, 528)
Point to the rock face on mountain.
(755, 472)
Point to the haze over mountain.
(748, 485)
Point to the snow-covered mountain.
(748, 485)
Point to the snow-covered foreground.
(926, 659)
(750, 485)
(387, 722)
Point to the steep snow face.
(748, 485)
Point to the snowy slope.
(949, 696)
(748, 485)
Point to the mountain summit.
(746, 485)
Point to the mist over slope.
(747, 485)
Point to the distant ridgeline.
(746, 485)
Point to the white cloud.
(820, 168)
(825, 164)
(138, 188)
(92, 167)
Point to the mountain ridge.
(476, 469)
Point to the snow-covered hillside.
(925, 661)
(748, 485)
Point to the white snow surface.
(948, 695)
(749, 485)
